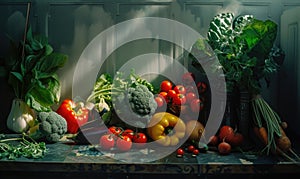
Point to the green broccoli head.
(52, 127)
(141, 100)
(137, 105)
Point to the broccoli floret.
(141, 100)
(50, 127)
(137, 106)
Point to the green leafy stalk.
(33, 77)
(243, 45)
(26, 147)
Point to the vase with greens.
(34, 79)
(245, 47)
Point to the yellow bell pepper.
(166, 129)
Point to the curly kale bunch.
(50, 127)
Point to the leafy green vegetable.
(33, 76)
(130, 93)
(26, 147)
(243, 46)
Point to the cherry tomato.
(195, 151)
(188, 78)
(190, 96)
(191, 148)
(166, 85)
(129, 133)
(171, 95)
(179, 89)
(196, 105)
(115, 130)
(180, 151)
(107, 141)
(160, 101)
(201, 86)
(164, 95)
(140, 139)
(180, 99)
(124, 143)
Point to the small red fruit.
(213, 140)
(226, 133)
(124, 143)
(160, 101)
(224, 148)
(190, 96)
(180, 151)
(196, 105)
(196, 152)
(107, 141)
(166, 85)
(179, 89)
(201, 86)
(191, 148)
(237, 140)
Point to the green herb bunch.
(24, 146)
(33, 74)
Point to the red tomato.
(129, 133)
(196, 152)
(188, 78)
(164, 95)
(201, 86)
(179, 89)
(171, 95)
(107, 142)
(180, 151)
(196, 105)
(140, 139)
(160, 101)
(115, 130)
(180, 99)
(190, 96)
(166, 85)
(191, 148)
(124, 143)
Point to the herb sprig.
(26, 147)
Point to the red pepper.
(75, 114)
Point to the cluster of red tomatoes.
(122, 140)
(182, 94)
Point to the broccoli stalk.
(50, 127)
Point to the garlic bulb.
(21, 117)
